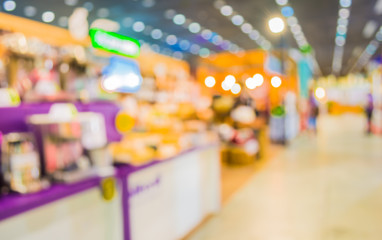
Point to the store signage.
(114, 43)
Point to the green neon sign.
(114, 43)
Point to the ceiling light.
(225, 86)
(179, 19)
(48, 16)
(206, 34)
(282, 2)
(237, 20)
(9, 5)
(296, 29)
(30, 11)
(226, 10)
(370, 28)
(89, 6)
(156, 34)
(171, 39)
(345, 3)
(229, 81)
(250, 83)
(138, 26)
(127, 22)
(184, 45)
(287, 11)
(148, 3)
(276, 82)
(341, 29)
(204, 52)
(177, 55)
(258, 79)
(320, 93)
(219, 4)
(194, 27)
(340, 41)
(378, 7)
(194, 49)
(63, 21)
(71, 2)
(210, 81)
(254, 35)
(378, 36)
(217, 40)
(292, 21)
(236, 88)
(246, 28)
(103, 12)
(344, 13)
(169, 14)
(276, 25)
(342, 21)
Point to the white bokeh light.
(48, 16)
(9, 5)
(320, 93)
(179, 19)
(250, 83)
(236, 88)
(138, 26)
(276, 82)
(276, 25)
(259, 79)
(210, 81)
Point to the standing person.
(313, 113)
(369, 111)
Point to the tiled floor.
(327, 187)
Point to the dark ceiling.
(318, 19)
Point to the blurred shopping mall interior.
(191, 119)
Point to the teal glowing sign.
(114, 43)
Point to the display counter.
(160, 200)
(64, 211)
(167, 199)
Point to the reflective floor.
(327, 187)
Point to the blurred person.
(369, 112)
(313, 112)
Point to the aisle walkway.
(327, 187)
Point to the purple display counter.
(170, 196)
(14, 204)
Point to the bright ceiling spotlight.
(228, 82)
(179, 19)
(204, 52)
(210, 81)
(345, 3)
(276, 82)
(194, 27)
(258, 79)
(236, 88)
(156, 34)
(237, 20)
(138, 26)
(282, 2)
(320, 93)
(226, 10)
(276, 25)
(250, 83)
(9, 5)
(48, 16)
